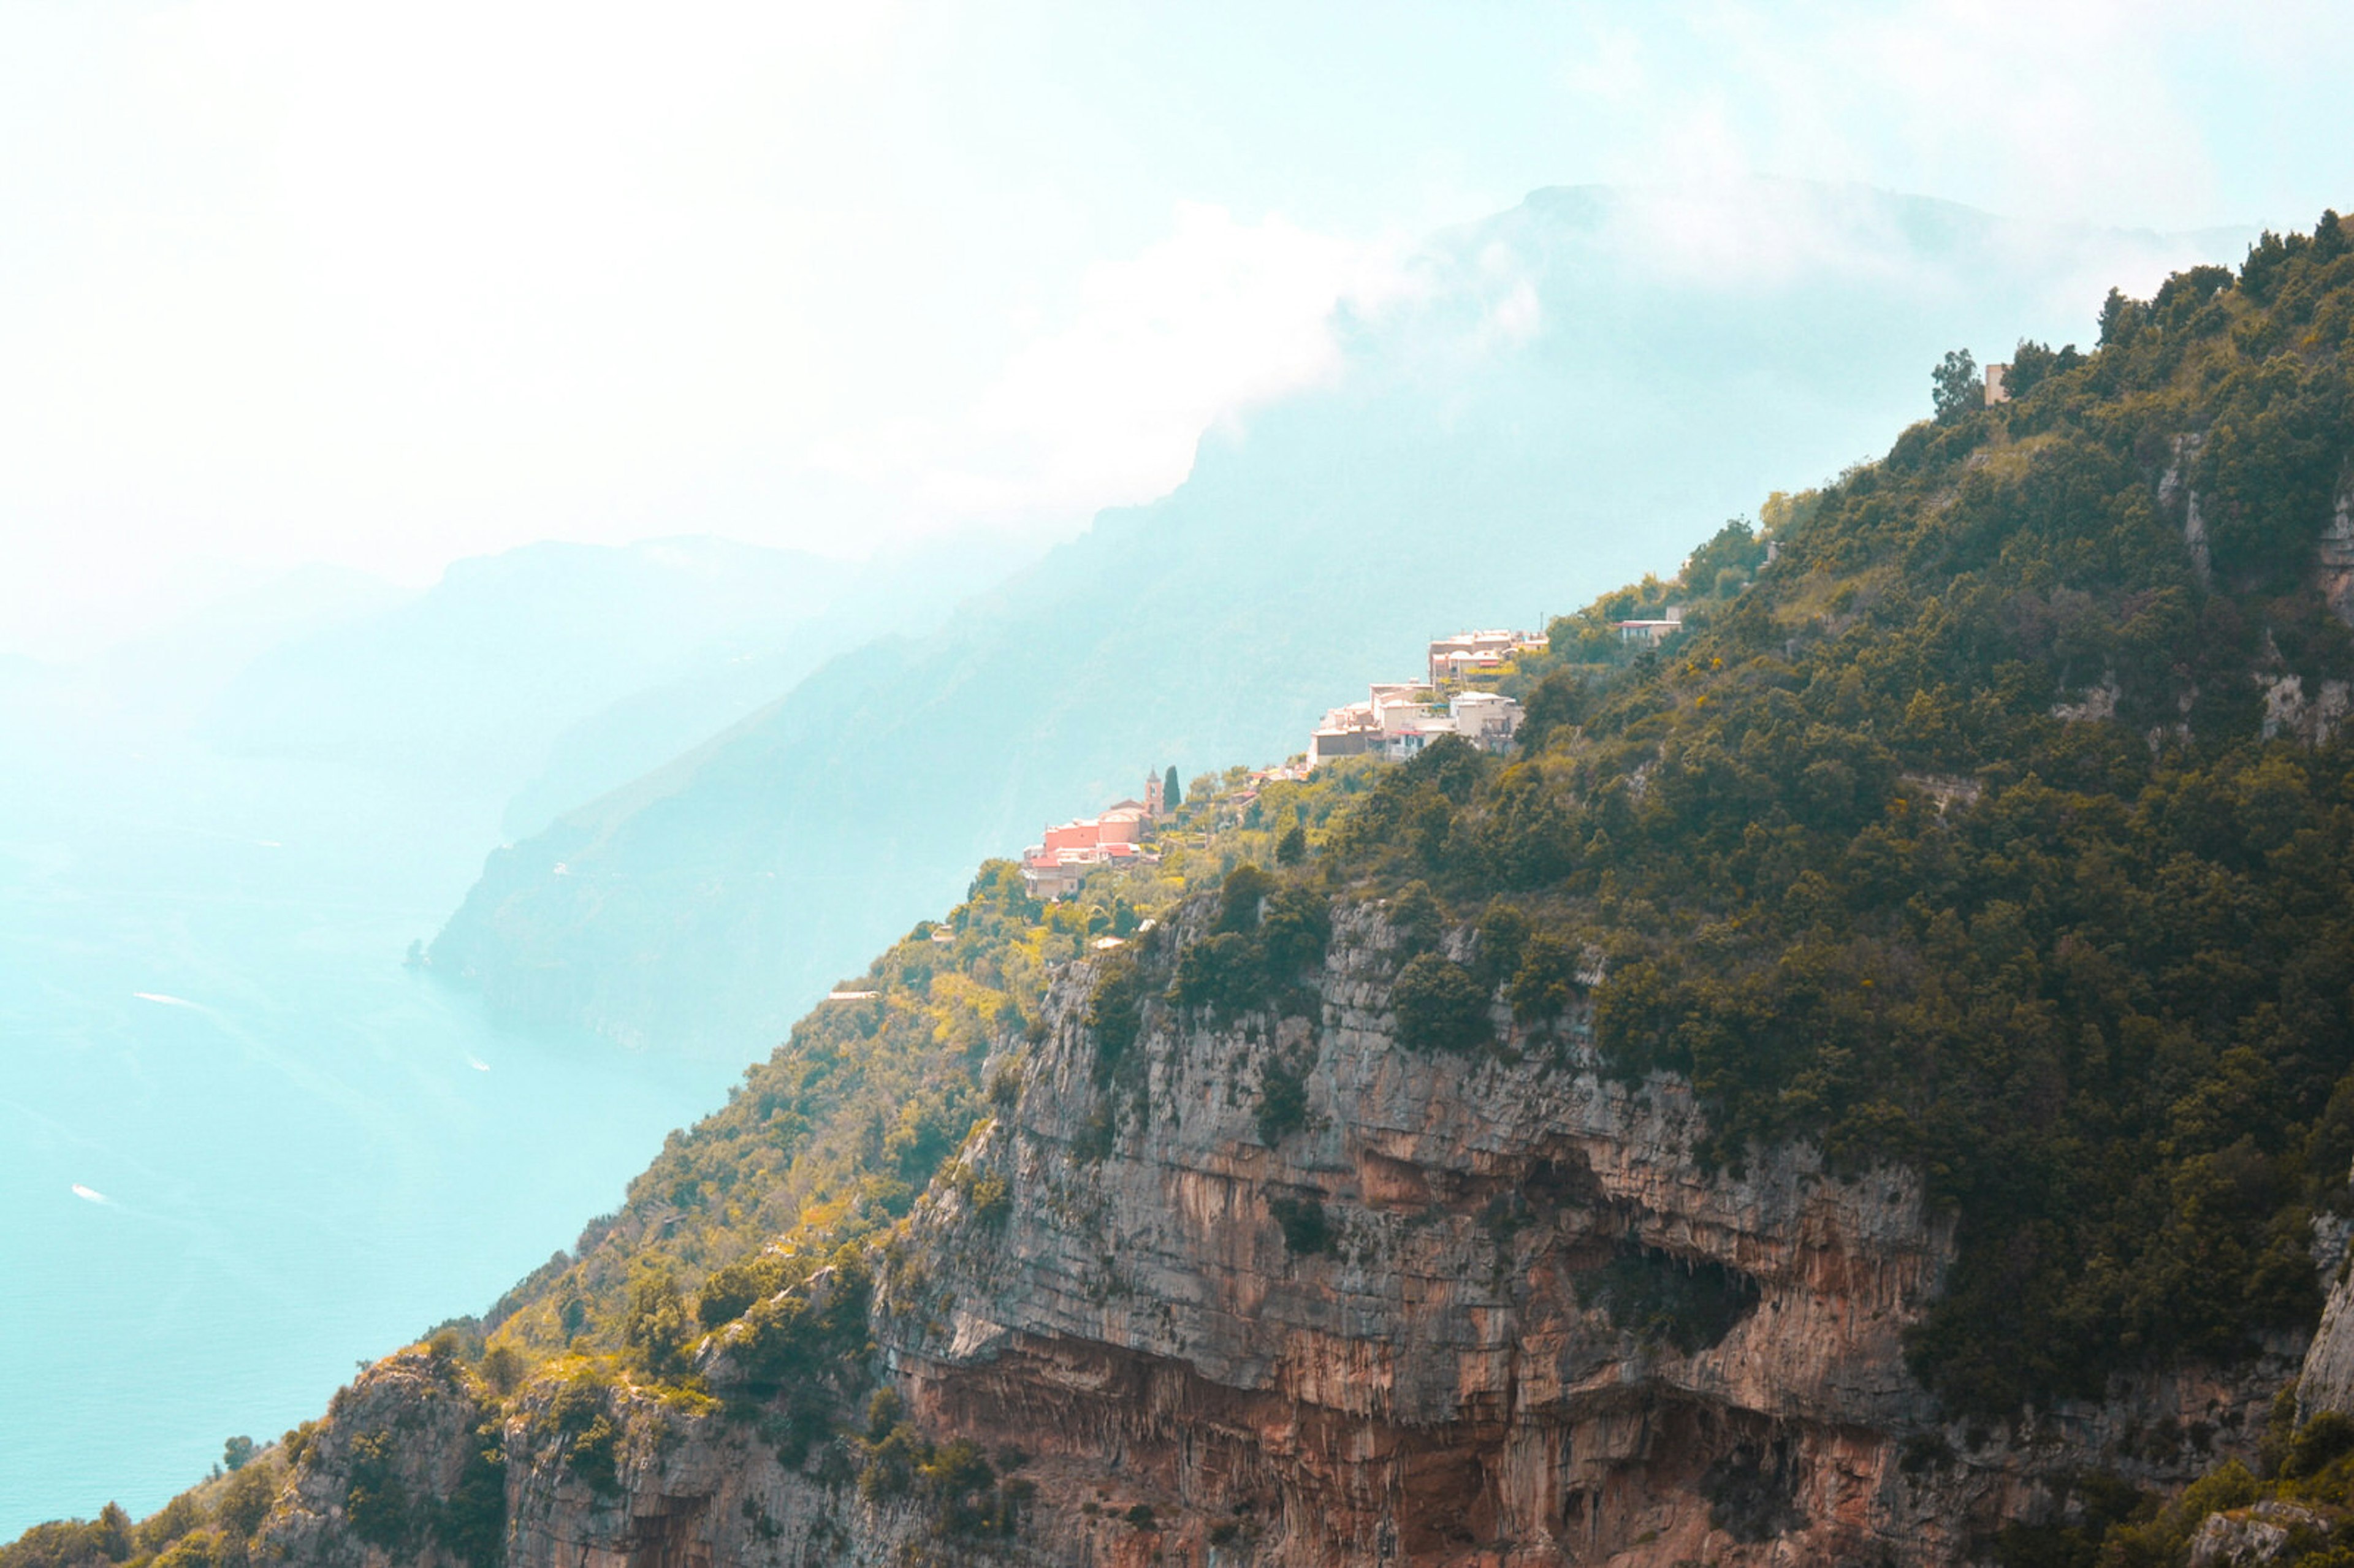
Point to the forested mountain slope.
(1557, 396)
(1871, 1080)
(1983, 836)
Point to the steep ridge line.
(1713, 1135)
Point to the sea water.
(243, 1147)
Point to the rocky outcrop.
(2243, 1537)
(585, 1475)
(2290, 710)
(1485, 1307)
(2171, 489)
(377, 1481)
(684, 1485)
(2329, 1380)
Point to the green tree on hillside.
(1954, 385)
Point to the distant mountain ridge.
(1566, 390)
(535, 678)
(469, 679)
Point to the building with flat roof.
(1470, 653)
(1488, 720)
(1653, 631)
(1399, 719)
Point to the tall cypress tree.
(1169, 795)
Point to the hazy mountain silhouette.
(533, 679)
(471, 681)
(1556, 399)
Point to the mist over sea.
(242, 1147)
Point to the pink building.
(1078, 835)
(1055, 868)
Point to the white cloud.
(389, 284)
(1106, 406)
(2118, 111)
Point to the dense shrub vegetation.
(1960, 838)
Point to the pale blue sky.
(390, 283)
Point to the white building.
(1350, 731)
(1398, 719)
(1479, 652)
(1653, 631)
(1488, 720)
(1408, 741)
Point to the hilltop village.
(1055, 869)
(1457, 696)
(1398, 718)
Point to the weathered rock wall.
(1534, 1328)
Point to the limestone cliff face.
(1482, 1308)
(1431, 1309)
